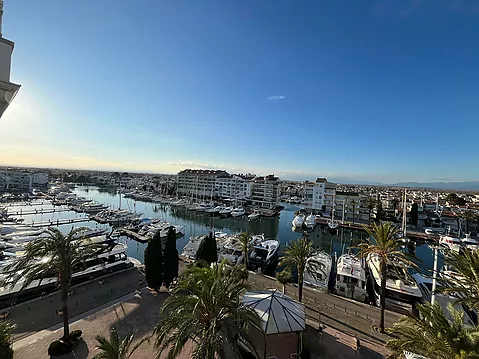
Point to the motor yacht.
(238, 212)
(318, 270)
(226, 211)
(402, 291)
(470, 243)
(453, 243)
(350, 278)
(298, 221)
(310, 221)
(263, 253)
(254, 216)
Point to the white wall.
(5, 61)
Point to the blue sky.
(354, 90)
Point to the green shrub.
(58, 348)
(6, 352)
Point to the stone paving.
(114, 303)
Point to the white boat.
(231, 251)
(254, 216)
(434, 230)
(263, 253)
(215, 210)
(190, 249)
(226, 211)
(318, 270)
(350, 278)
(453, 243)
(402, 291)
(298, 221)
(332, 224)
(470, 243)
(310, 221)
(237, 212)
(112, 259)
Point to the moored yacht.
(402, 291)
(298, 220)
(254, 216)
(263, 253)
(453, 243)
(226, 211)
(350, 278)
(332, 224)
(215, 210)
(318, 270)
(110, 259)
(310, 221)
(238, 212)
(470, 243)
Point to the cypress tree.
(154, 262)
(170, 263)
(207, 250)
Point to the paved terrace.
(95, 308)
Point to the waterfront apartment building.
(8, 90)
(15, 181)
(266, 191)
(236, 186)
(199, 184)
(329, 194)
(314, 194)
(351, 206)
(39, 179)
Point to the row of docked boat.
(459, 243)
(116, 216)
(301, 221)
(262, 252)
(111, 257)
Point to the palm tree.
(468, 217)
(116, 347)
(61, 254)
(6, 340)
(354, 203)
(435, 336)
(465, 285)
(298, 255)
(204, 309)
(284, 277)
(244, 242)
(370, 204)
(383, 243)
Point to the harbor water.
(202, 223)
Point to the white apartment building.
(347, 203)
(314, 194)
(266, 191)
(199, 184)
(8, 90)
(234, 186)
(329, 194)
(15, 181)
(40, 179)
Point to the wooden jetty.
(133, 235)
(59, 222)
(40, 211)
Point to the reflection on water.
(199, 223)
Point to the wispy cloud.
(276, 98)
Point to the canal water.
(201, 223)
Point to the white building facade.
(40, 179)
(15, 181)
(236, 187)
(314, 194)
(198, 184)
(266, 191)
(8, 90)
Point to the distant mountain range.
(457, 186)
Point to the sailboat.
(332, 224)
(403, 235)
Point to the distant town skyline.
(373, 91)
